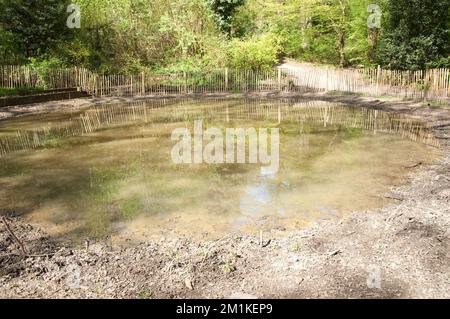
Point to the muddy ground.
(399, 251)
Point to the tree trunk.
(373, 40)
(341, 49)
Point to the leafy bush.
(414, 54)
(214, 57)
(75, 53)
(417, 34)
(21, 91)
(45, 63)
(256, 53)
(44, 68)
(442, 63)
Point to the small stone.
(240, 295)
(188, 284)
(334, 253)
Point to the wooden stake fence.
(431, 85)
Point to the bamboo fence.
(433, 85)
(418, 85)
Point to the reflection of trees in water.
(314, 113)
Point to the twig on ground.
(28, 256)
(267, 243)
(414, 166)
(16, 239)
(394, 197)
(334, 253)
(261, 238)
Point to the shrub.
(256, 53)
(45, 68)
(442, 63)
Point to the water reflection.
(18, 135)
(107, 169)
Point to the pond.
(109, 170)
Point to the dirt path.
(400, 251)
(299, 66)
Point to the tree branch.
(16, 239)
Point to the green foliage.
(441, 63)
(75, 52)
(260, 52)
(224, 11)
(44, 68)
(37, 25)
(321, 49)
(9, 49)
(361, 41)
(45, 64)
(188, 35)
(352, 132)
(131, 207)
(130, 36)
(18, 91)
(244, 21)
(145, 294)
(417, 33)
(228, 266)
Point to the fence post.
(131, 85)
(427, 82)
(96, 85)
(279, 79)
(226, 79)
(185, 82)
(378, 79)
(279, 114)
(327, 87)
(142, 83)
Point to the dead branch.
(16, 239)
(414, 166)
(394, 198)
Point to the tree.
(8, 48)
(191, 29)
(363, 38)
(336, 13)
(417, 33)
(36, 25)
(224, 11)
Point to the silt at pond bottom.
(109, 170)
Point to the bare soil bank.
(406, 244)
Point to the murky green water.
(108, 170)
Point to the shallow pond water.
(108, 170)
